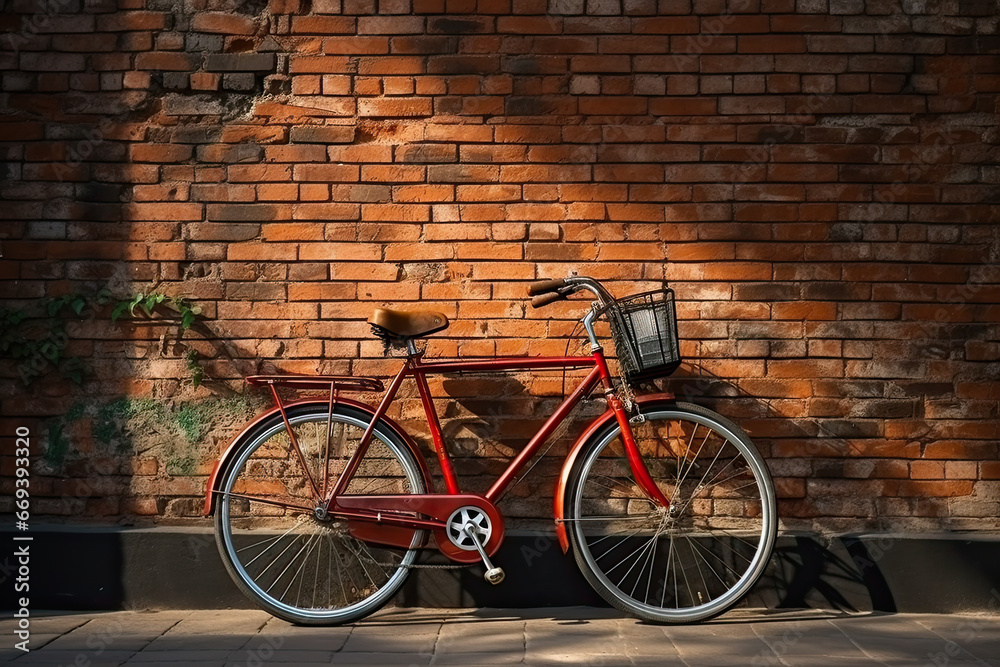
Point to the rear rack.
(332, 382)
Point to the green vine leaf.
(119, 310)
(136, 300)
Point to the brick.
(323, 25)
(165, 60)
(132, 20)
(230, 153)
(360, 153)
(222, 231)
(394, 108)
(423, 153)
(667, 106)
(327, 134)
(326, 173)
(240, 62)
(162, 211)
(356, 45)
(667, 25)
(52, 62)
(462, 173)
(332, 211)
(391, 25)
(243, 212)
(223, 23)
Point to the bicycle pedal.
(494, 574)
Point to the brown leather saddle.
(399, 326)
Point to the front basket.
(644, 329)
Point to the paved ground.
(584, 637)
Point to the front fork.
(632, 454)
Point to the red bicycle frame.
(416, 368)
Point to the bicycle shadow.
(812, 566)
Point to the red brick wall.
(816, 179)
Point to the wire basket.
(644, 328)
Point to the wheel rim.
(286, 553)
(701, 556)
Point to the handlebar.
(547, 291)
(544, 286)
(545, 299)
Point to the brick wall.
(816, 178)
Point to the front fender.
(215, 479)
(596, 426)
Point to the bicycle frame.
(416, 368)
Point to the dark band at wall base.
(175, 568)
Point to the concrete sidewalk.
(582, 636)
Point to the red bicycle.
(322, 504)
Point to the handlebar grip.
(543, 286)
(545, 299)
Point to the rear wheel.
(695, 559)
(276, 542)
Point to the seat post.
(411, 347)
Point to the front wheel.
(282, 550)
(694, 559)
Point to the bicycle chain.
(427, 566)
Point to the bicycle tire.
(718, 534)
(265, 471)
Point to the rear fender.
(222, 465)
(605, 421)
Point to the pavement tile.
(713, 642)
(55, 657)
(478, 659)
(827, 661)
(382, 659)
(212, 630)
(168, 660)
(644, 640)
(47, 622)
(306, 638)
(547, 639)
(725, 649)
(181, 655)
(488, 636)
(36, 641)
(257, 657)
(984, 650)
(656, 661)
(892, 648)
(882, 625)
(686, 634)
(408, 640)
(122, 631)
(808, 639)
